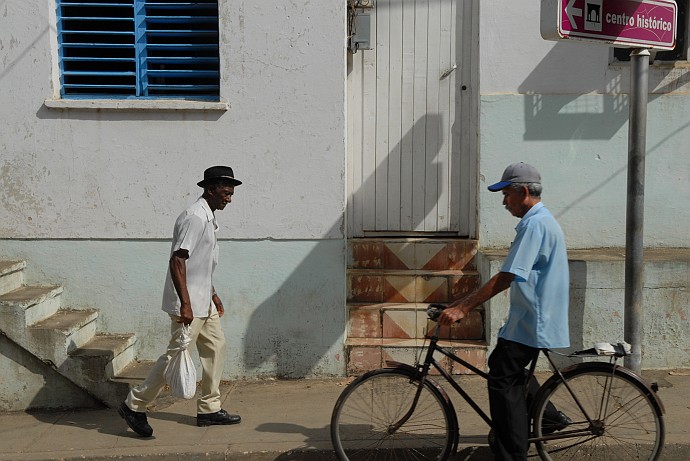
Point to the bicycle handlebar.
(434, 311)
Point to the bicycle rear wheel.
(627, 421)
(362, 420)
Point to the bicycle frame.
(430, 361)
(589, 408)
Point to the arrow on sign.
(620, 23)
(572, 12)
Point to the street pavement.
(282, 420)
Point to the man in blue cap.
(536, 271)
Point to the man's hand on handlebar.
(451, 314)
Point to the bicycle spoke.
(364, 419)
(625, 424)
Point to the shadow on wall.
(568, 116)
(576, 312)
(551, 116)
(594, 188)
(50, 389)
(602, 113)
(25, 52)
(292, 341)
(578, 286)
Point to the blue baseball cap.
(517, 172)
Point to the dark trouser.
(507, 399)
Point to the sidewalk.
(281, 421)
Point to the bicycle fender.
(405, 366)
(607, 368)
(391, 364)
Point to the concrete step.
(407, 321)
(412, 253)
(63, 332)
(390, 283)
(27, 305)
(365, 354)
(409, 286)
(117, 348)
(66, 339)
(11, 275)
(134, 372)
(94, 364)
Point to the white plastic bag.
(181, 372)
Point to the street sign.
(621, 23)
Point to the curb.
(228, 455)
(671, 452)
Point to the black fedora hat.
(216, 173)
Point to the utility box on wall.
(361, 35)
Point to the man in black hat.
(190, 299)
(536, 271)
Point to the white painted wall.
(515, 59)
(89, 197)
(123, 174)
(564, 108)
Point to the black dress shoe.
(554, 423)
(136, 420)
(218, 418)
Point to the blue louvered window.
(147, 49)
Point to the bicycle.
(400, 412)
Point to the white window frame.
(206, 100)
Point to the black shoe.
(555, 423)
(136, 420)
(218, 418)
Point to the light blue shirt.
(538, 315)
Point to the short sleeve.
(524, 252)
(188, 233)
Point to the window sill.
(129, 104)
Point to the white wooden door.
(408, 173)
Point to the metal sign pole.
(637, 145)
(643, 24)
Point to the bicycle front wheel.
(365, 419)
(625, 420)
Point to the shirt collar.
(209, 214)
(532, 211)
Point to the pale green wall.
(27, 383)
(597, 286)
(285, 300)
(580, 145)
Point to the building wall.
(562, 107)
(283, 299)
(28, 383)
(89, 196)
(596, 308)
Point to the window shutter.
(182, 49)
(96, 47)
(138, 49)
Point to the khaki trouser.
(210, 343)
